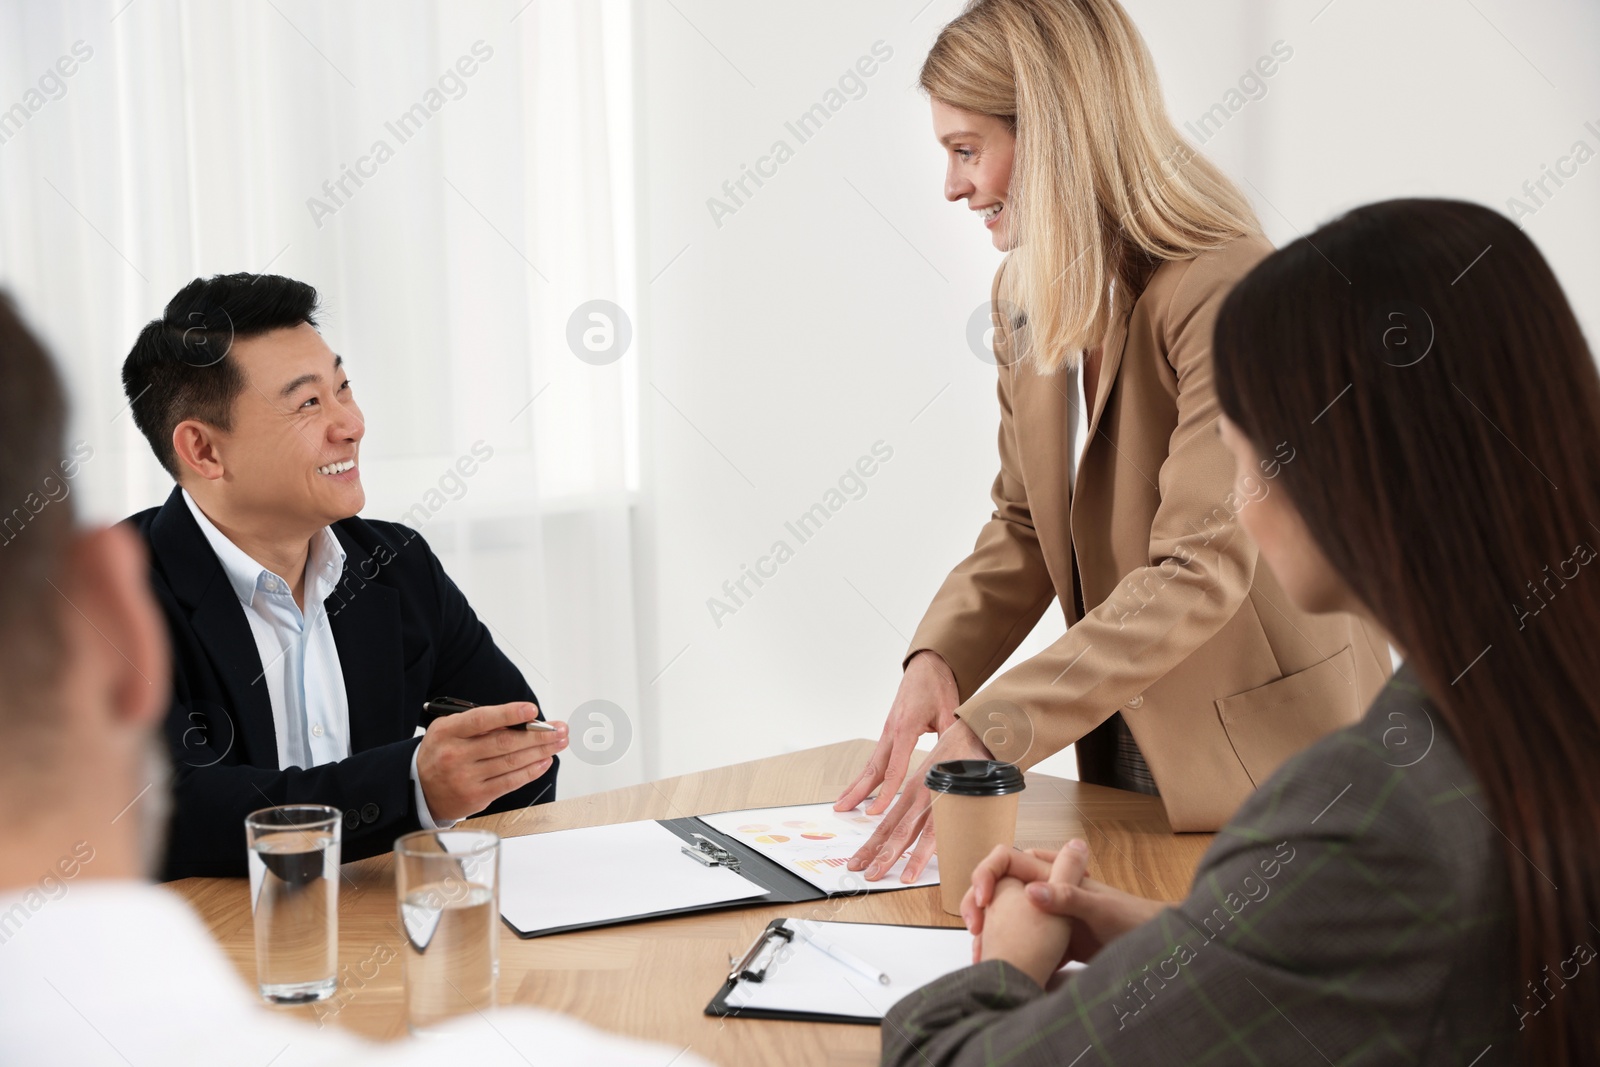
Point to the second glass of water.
(448, 882)
(294, 897)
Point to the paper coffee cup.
(974, 809)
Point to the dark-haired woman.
(1423, 887)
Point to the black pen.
(451, 705)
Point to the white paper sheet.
(805, 979)
(814, 841)
(603, 873)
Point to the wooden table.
(653, 979)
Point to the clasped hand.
(1039, 910)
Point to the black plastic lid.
(975, 778)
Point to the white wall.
(831, 308)
(827, 313)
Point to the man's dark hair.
(179, 367)
(34, 521)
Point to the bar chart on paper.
(816, 843)
(820, 866)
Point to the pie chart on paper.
(816, 843)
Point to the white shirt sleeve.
(423, 814)
(134, 957)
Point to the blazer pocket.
(1268, 724)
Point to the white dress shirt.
(300, 661)
(1079, 426)
(121, 972)
(1078, 422)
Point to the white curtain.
(456, 180)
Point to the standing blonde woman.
(1184, 671)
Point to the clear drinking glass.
(294, 896)
(448, 884)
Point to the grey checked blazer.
(1355, 911)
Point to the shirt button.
(316, 730)
(1137, 702)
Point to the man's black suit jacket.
(405, 635)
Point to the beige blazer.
(1171, 620)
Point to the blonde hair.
(1103, 186)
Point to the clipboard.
(764, 962)
(709, 847)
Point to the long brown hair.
(1445, 410)
(1103, 186)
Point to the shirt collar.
(324, 564)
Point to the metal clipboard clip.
(708, 852)
(759, 956)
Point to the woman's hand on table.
(925, 703)
(912, 813)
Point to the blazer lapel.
(365, 619)
(1045, 406)
(197, 581)
(1110, 360)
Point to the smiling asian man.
(305, 638)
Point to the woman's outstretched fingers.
(891, 839)
(924, 852)
(899, 842)
(869, 778)
(902, 750)
(868, 853)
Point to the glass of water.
(448, 884)
(294, 896)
